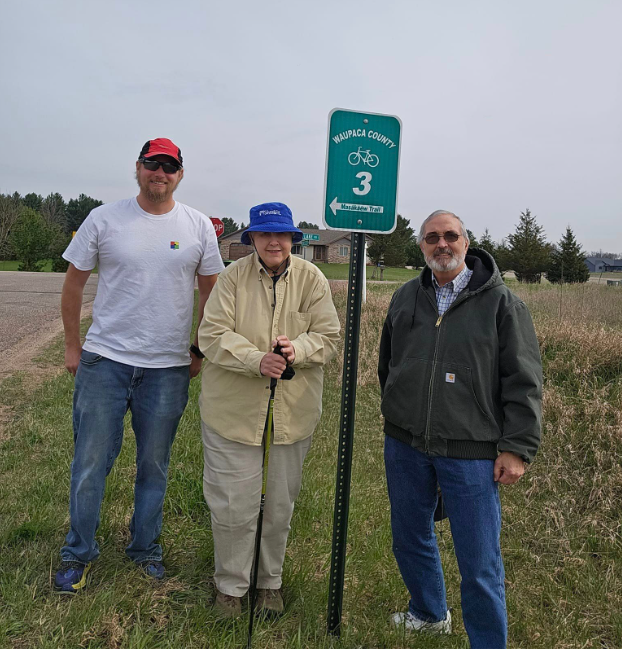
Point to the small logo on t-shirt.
(450, 378)
(174, 245)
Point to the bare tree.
(10, 210)
(604, 255)
(53, 210)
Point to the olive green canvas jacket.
(243, 314)
(467, 384)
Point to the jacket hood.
(485, 272)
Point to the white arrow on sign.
(353, 207)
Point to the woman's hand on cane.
(272, 365)
(287, 348)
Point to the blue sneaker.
(153, 569)
(71, 577)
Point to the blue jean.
(104, 391)
(471, 500)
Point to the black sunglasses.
(154, 165)
(450, 237)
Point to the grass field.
(332, 271)
(13, 265)
(340, 271)
(561, 537)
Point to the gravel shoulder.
(29, 321)
(30, 315)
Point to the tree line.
(34, 229)
(525, 251)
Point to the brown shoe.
(228, 605)
(269, 602)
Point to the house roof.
(605, 260)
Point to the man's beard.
(157, 197)
(442, 266)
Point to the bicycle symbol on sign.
(365, 157)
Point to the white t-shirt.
(142, 313)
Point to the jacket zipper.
(431, 386)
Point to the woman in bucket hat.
(266, 299)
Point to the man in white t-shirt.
(148, 251)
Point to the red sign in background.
(219, 226)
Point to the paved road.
(30, 305)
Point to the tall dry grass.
(563, 523)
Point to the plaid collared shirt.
(446, 295)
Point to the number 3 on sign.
(365, 177)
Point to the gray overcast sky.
(505, 104)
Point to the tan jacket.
(238, 326)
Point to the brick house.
(333, 247)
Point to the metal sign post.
(346, 433)
(362, 161)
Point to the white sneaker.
(412, 623)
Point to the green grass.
(14, 265)
(341, 271)
(561, 538)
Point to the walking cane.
(287, 374)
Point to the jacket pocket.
(457, 411)
(404, 402)
(297, 323)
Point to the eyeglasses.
(434, 237)
(154, 165)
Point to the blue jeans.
(104, 391)
(471, 500)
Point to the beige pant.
(232, 489)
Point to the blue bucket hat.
(271, 217)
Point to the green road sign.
(304, 242)
(312, 237)
(362, 162)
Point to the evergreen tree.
(305, 225)
(31, 239)
(230, 225)
(529, 253)
(391, 247)
(503, 257)
(414, 254)
(33, 201)
(499, 252)
(473, 243)
(78, 209)
(486, 243)
(568, 262)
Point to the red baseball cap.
(161, 146)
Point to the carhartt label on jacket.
(450, 378)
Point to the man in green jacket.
(461, 381)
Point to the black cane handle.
(288, 372)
